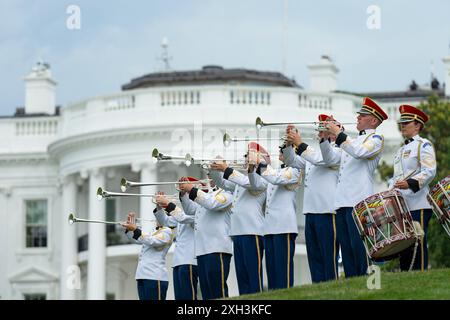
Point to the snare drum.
(385, 224)
(439, 198)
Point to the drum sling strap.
(416, 244)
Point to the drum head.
(391, 248)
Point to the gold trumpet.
(260, 124)
(102, 194)
(125, 184)
(72, 219)
(158, 156)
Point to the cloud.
(118, 42)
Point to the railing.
(255, 97)
(119, 103)
(321, 102)
(113, 238)
(28, 127)
(180, 97)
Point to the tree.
(437, 131)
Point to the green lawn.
(433, 284)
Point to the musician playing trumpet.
(318, 202)
(151, 272)
(184, 264)
(280, 222)
(415, 156)
(247, 221)
(358, 159)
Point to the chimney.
(323, 76)
(446, 61)
(40, 90)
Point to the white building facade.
(53, 160)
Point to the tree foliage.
(437, 131)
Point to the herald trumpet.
(103, 194)
(227, 139)
(158, 156)
(205, 163)
(261, 124)
(72, 219)
(125, 184)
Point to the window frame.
(23, 237)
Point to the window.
(34, 296)
(111, 215)
(113, 236)
(36, 223)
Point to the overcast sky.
(119, 40)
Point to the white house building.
(52, 160)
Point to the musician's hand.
(293, 137)
(324, 135)
(253, 158)
(130, 225)
(402, 184)
(333, 128)
(219, 166)
(161, 200)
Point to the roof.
(210, 75)
(404, 95)
(20, 113)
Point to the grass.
(432, 284)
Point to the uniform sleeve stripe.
(377, 136)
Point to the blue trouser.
(322, 246)
(421, 260)
(185, 280)
(152, 289)
(248, 254)
(213, 270)
(354, 256)
(280, 250)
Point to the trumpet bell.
(155, 155)
(123, 184)
(226, 139)
(259, 123)
(188, 160)
(72, 219)
(101, 194)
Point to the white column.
(68, 283)
(447, 75)
(97, 239)
(146, 206)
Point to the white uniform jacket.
(357, 161)
(281, 205)
(247, 215)
(212, 221)
(152, 259)
(320, 179)
(184, 241)
(417, 157)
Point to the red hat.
(409, 113)
(253, 146)
(324, 117)
(192, 179)
(371, 107)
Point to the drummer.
(414, 169)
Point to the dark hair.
(421, 124)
